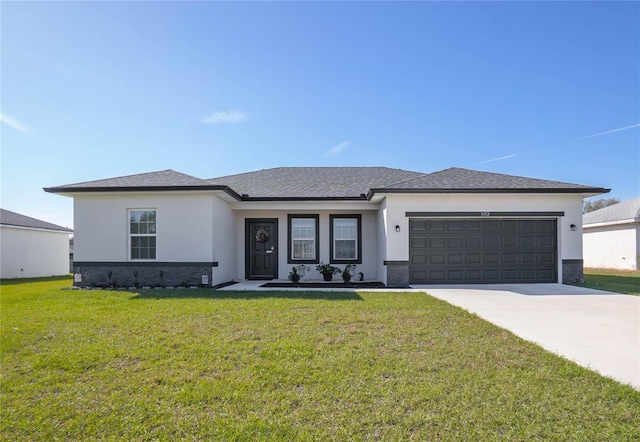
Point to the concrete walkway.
(596, 329)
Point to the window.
(346, 238)
(142, 232)
(303, 239)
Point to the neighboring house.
(611, 236)
(399, 227)
(32, 248)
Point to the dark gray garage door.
(476, 251)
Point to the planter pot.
(327, 276)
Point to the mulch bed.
(326, 285)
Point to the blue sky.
(95, 90)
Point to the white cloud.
(224, 117)
(17, 125)
(611, 131)
(496, 159)
(337, 148)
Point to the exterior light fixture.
(397, 228)
(574, 227)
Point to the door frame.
(248, 241)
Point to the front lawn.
(620, 281)
(222, 365)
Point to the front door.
(261, 255)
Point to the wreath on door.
(262, 235)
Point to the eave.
(589, 191)
(125, 189)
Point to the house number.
(485, 213)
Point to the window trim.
(130, 235)
(290, 259)
(358, 218)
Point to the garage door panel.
(474, 242)
(474, 258)
(474, 275)
(546, 225)
(527, 258)
(546, 275)
(483, 251)
(419, 259)
(491, 242)
(491, 258)
(439, 242)
(526, 225)
(528, 274)
(546, 258)
(474, 225)
(546, 241)
(455, 242)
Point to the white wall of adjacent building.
(612, 246)
(32, 253)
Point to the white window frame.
(131, 234)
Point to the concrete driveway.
(598, 330)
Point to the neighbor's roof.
(9, 218)
(626, 211)
(317, 183)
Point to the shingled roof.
(161, 179)
(313, 182)
(9, 218)
(330, 183)
(457, 179)
(626, 211)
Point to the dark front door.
(261, 255)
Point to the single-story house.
(611, 236)
(32, 248)
(397, 226)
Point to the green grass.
(620, 281)
(207, 365)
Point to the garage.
(482, 250)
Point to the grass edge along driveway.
(203, 364)
(619, 281)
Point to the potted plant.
(327, 271)
(294, 276)
(348, 272)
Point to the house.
(32, 248)
(611, 236)
(399, 227)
